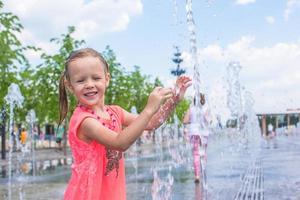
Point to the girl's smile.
(90, 94)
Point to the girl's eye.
(79, 81)
(97, 78)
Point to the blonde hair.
(63, 97)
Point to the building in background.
(285, 121)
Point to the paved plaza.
(267, 169)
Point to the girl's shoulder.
(79, 114)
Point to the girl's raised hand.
(157, 97)
(182, 83)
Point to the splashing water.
(170, 154)
(31, 119)
(197, 90)
(134, 152)
(193, 50)
(15, 99)
(250, 125)
(14, 96)
(234, 101)
(162, 189)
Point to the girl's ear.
(107, 77)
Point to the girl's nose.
(89, 84)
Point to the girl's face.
(88, 80)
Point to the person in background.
(23, 136)
(59, 135)
(196, 128)
(271, 132)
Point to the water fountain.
(31, 120)
(234, 101)
(15, 99)
(133, 154)
(198, 89)
(161, 168)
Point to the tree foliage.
(43, 92)
(126, 89)
(39, 84)
(11, 51)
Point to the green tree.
(116, 77)
(157, 82)
(181, 108)
(126, 89)
(11, 51)
(139, 88)
(43, 91)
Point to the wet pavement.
(270, 171)
(41, 155)
(235, 170)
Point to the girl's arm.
(90, 129)
(157, 119)
(182, 83)
(163, 113)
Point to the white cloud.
(47, 19)
(291, 5)
(213, 51)
(270, 19)
(28, 38)
(271, 73)
(244, 2)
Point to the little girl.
(99, 133)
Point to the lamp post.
(177, 60)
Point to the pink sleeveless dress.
(98, 173)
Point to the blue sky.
(263, 35)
